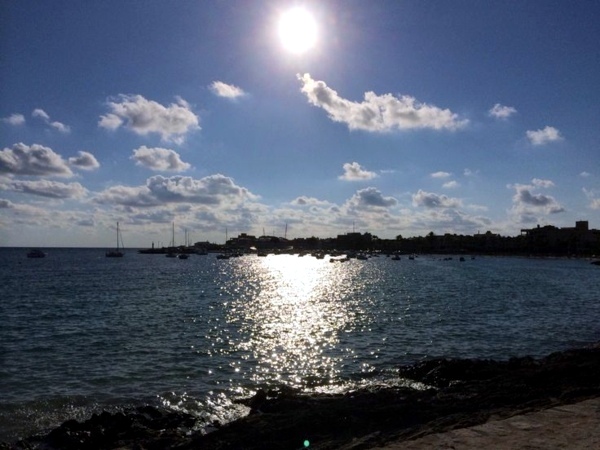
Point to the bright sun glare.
(297, 30)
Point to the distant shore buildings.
(573, 240)
(541, 240)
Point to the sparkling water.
(80, 332)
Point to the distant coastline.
(540, 241)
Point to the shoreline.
(462, 393)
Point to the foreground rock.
(462, 393)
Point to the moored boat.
(36, 253)
(117, 253)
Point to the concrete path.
(572, 427)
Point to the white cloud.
(84, 161)
(354, 172)
(431, 200)
(527, 205)
(451, 185)
(143, 117)
(593, 198)
(14, 119)
(544, 136)
(440, 175)
(379, 113)
(308, 201)
(22, 209)
(46, 188)
(371, 198)
(585, 174)
(226, 90)
(159, 159)
(470, 173)
(542, 183)
(501, 112)
(40, 113)
(214, 190)
(110, 121)
(36, 159)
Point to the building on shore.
(578, 240)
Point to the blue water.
(80, 332)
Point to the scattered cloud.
(501, 112)
(143, 117)
(585, 174)
(379, 113)
(354, 172)
(213, 190)
(440, 175)
(542, 183)
(226, 90)
(159, 159)
(22, 209)
(451, 185)
(524, 195)
(41, 114)
(593, 197)
(527, 205)
(36, 159)
(371, 198)
(431, 200)
(14, 119)
(308, 201)
(544, 136)
(470, 173)
(46, 188)
(84, 161)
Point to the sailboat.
(117, 253)
(171, 251)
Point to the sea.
(81, 333)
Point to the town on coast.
(548, 240)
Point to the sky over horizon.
(388, 117)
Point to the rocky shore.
(461, 393)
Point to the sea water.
(81, 333)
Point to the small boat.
(223, 256)
(36, 253)
(596, 263)
(396, 258)
(183, 256)
(117, 253)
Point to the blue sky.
(404, 117)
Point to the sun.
(297, 30)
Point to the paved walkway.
(572, 427)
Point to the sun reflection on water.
(289, 323)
